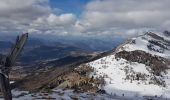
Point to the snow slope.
(120, 74)
(116, 78)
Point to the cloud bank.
(100, 17)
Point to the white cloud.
(53, 24)
(100, 17)
(62, 20)
(105, 15)
(34, 16)
(16, 15)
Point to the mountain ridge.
(141, 62)
(136, 69)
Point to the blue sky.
(69, 6)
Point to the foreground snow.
(70, 95)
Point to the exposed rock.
(156, 63)
(78, 79)
(166, 33)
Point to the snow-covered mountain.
(138, 67)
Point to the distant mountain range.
(37, 49)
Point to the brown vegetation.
(78, 79)
(158, 65)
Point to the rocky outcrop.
(78, 79)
